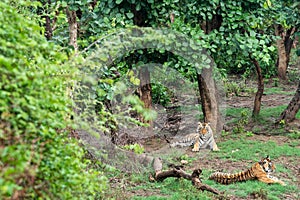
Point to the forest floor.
(243, 143)
(261, 132)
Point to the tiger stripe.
(260, 170)
(203, 138)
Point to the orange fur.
(259, 171)
(203, 138)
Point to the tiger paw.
(282, 183)
(215, 148)
(195, 149)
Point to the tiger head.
(203, 128)
(267, 165)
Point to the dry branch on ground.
(178, 172)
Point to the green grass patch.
(236, 150)
(174, 189)
(244, 189)
(236, 112)
(249, 149)
(274, 112)
(277, 90)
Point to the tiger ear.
(200, 124)
(268, 157)
(262, 161)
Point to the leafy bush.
(242, 122)
(38, 160)
(160, 94)
(136, 148)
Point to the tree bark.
(145, 92)
(284, 45)
(205, 99)
(48, 27)
(209, 102)
(73, 28)
(260, 88)
(289, 114)
(49, 23)
(206, 84)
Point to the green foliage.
(38, 159)
(243, 119)
(136, 148)
(237, 88)
(160, 94)
(294, 134)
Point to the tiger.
(260, 170)
(203, 138)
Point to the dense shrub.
(37, 158)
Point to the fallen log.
(178, 172)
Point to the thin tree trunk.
(284, 45)
(144, 74)
(260, 88)
(205, 98)
(145, 92)
(73, 28)
(48, 24)
(289, 114)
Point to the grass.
(244, 189)
(277, 90)
(236, 150)
(248, 149)
(174, 189)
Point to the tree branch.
(177, 172)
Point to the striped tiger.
(260, 171)
(203, 138)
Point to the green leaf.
(271, 48)
(130, 15)
(118, 1)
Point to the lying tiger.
(260, 171)
(202, 139)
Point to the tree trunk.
(284, 45)
(209, 102)
(49, 24)
(205, 99)
(48, 28)
(73, 26)
(260, 88)
(206, 84)
(144, 74)
(145, 92)
(289, 114)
